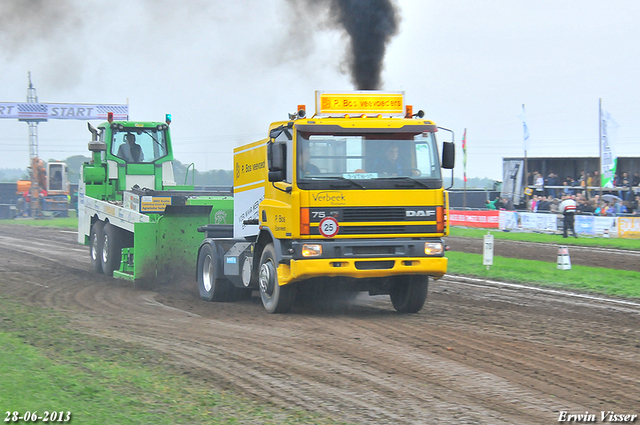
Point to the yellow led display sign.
(370, 102)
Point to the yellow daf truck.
(351, 198)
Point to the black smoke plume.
(370, 25)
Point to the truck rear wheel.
(111, 249)
(95, 246)
(408, 293)
(210, 287)
(275, 298)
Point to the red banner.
(486, 219)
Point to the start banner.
(485, 219)
(62, 111)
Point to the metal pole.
(464, 156)
(33, 154)
(526, 171)
(599, 149)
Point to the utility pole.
(32, 97)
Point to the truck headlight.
(311, 250)
(433, 248)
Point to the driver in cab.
(130, 151)
(389, 165)
(306, 167)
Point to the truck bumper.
(361, 268)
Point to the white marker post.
(487, 252)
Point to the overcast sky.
(226, 69)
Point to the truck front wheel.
(111, 249)
(275, 298)
(95, 246)
(210, 287)
(408, 293)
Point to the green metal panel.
(145, 246)
(178, 242)
(222, 208)
(165, 251)
(141, 169)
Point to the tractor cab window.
(139, 145)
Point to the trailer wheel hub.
(267, 278)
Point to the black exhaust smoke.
(370, 25)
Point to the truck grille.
(373, 250)
(373, 214)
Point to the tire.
(275, 298)
(210, 287)
(112, 238)
(408, 293)
(95, 246)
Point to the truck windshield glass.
(139, 145)
(372, 160)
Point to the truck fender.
(265, 237)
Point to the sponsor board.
(629, 227)
(484, 219)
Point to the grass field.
(621, 283)
(53, 222)
(46, 366)
(545, 238)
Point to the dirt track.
(474, 355)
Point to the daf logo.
(419, 213)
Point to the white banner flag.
(525, 129)
(608, 160)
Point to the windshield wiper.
(339, 178)
(421, 183)
(152, 137)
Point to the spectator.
(635, 181)
(507, 204)
(601, 209)
(553, 204)
(585, 206)
(567, 189)
(539, 184)
(543, 205)
(626, 183)
(619, 208)
(589, 184)
(568, 209)
(634, 205)
(582, 177)
(551, 181)
(491, 204)
(611, 211)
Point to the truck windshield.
(139, 145)
(369, 160)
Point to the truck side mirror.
(277, 161)
(448, 155)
